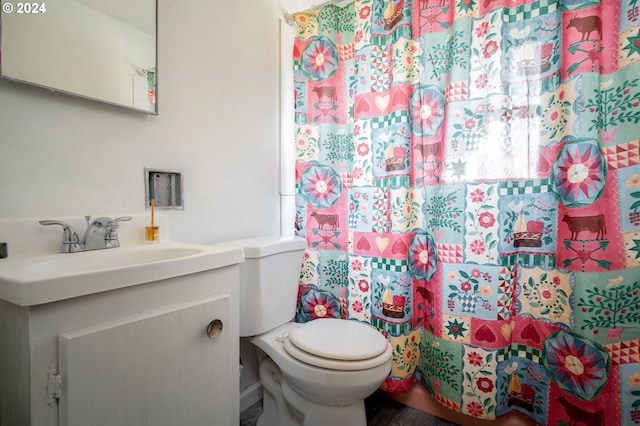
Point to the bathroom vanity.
(122, 350)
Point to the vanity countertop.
(34, 280)
(35, 273)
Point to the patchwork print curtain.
(468, 184)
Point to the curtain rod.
(288, 17)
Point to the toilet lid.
(338, 344)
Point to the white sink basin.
(113, 258)
(34, 280)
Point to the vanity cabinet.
(161, 353)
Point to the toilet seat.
(352, 346)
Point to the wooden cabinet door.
(158, 368)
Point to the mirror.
(96, 49)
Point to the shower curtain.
(468, 183)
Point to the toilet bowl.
(320, 371)
(316, 373)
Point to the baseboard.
(250, 396)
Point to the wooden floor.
(381, 411)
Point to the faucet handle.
(111, 238)
(70, 240)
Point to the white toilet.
(317, 373)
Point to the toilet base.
(284, 406)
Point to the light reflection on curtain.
(468, 183)
(151, 89)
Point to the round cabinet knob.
(214, 329)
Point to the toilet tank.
(269, 279)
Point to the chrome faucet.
(102, 233)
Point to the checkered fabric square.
(520, 351)
(392, 118)
(390, 264)
(400, 181)
(391, 325)
(546, 260)
(521, 187)
(528, 11)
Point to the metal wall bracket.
(166, 187)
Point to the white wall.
(218, 122)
